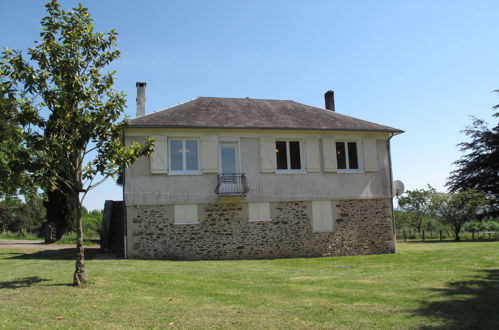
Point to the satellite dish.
(398, 188)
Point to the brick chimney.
(329, 98)
(141, 98)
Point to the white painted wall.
(145, 188)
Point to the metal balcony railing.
(232, 184)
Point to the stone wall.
(224, 232)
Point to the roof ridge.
(224, 112)
(240, 98)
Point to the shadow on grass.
(22, 282)
(62, 254)
(434, 242)
(469, 304)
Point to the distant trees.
(424, 209)
(29, 217)
(478, 168)
(417, 205)
(22, 216)
(456, 209)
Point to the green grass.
(21, 236)
(424, 285)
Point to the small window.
(184, 156)
(288, 155)
(186, 213)
(259, 211)
(347, 155)
(322, 216)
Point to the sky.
(421, 66)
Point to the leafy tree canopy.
(478, 168)
(62, 102)
(417, 205)
(456, 209)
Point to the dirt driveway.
(39, 245)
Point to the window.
(347, 155)
(184, 156)
(322, 216)
(288, 155)
(259, 211)
(229, 156)
(186, 213)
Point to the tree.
(456, 209)
(417, 205)
(67, 109)
(14, 158)
(22, 216)
(479, 167)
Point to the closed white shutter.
(312, 151)
(370, 154)
(259, 211)
(186, 213)
(209, 154)
(329, 154)
(159, 157)
(322, 216)
(267, 154)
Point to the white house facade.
(247, 178)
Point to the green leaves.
(62, 101)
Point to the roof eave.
(394, 131)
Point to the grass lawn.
(424, 285)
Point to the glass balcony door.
(229, 157)
(229, 178)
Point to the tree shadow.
(447, 241)
(21, 282)
(62, 254)
(472, 304)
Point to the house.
(237, 178)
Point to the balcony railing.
(232, 184)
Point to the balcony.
(232, 185)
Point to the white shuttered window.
(159, 157)
(370, 154)
(267, 154)
(209, 154)
(322, 216)
(259, 211)
(186, 213)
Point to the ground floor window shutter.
(259, 211)
(322, 216)
(186, 213)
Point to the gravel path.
(39, 245)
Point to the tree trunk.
(456, 233)
(79, 275)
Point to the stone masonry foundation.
(224, 232)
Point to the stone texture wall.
(224, 232)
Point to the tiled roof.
(215, 112)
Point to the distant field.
(424, 285)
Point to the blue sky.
(421, 66)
